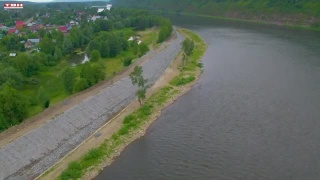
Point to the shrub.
(74, 172)
(81, 84)
(127, 61)
(129, 118)
(181, 80)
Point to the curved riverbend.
(254, 114)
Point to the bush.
(181, 80)
(74, 172)
(143, 49)
(47, 103)
(127, 61)
(128, 119)
(81, 84)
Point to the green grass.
(187, 71)
(50, 77)
(131, 122)
(182, 79)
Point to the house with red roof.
(63, 29)
(19, 24)
(12, 30)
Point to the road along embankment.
(34, 152)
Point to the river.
(254, 114)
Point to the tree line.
(101, 39)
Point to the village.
(30, 31)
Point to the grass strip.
(139, 117)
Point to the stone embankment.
(36, 151)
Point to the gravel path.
(36, 151)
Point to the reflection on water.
(79, 59)
(254, 114)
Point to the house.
(100, 10)
(28, 45)
(73, 23)
(13, 30)
(12, 54)
(19, 24)
(94, 18)
(31, 43)
(63, 29)
(4, 28)
(109, 6)
(20, 34)
(34, 41)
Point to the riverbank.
(240, 20)
(47, 143)
(116, 135)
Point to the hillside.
(291, 12)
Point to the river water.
(254, 114)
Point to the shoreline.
(242, 20)
(107, 133)
(80, 121)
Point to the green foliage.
(95, 56)
(93, 73)
(244, 9)
(141, 94)
(182, 80)
(57, 53)
(143, 49)
(67, 46)
(187, 46)
(137, 78)
(10, 76)
(46, 45)
(74, 172)
(13, 105)
(165, 30)
(127, 61)
(43, 97)
(69, 78)
(80, 85)
(26, 65)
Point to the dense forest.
(31, 81)
(292, 12)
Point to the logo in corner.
(13, 5)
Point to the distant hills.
(291, 12)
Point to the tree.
(141, 94)
(137, 78)
(43, 97)
(105, 49)
(93, 73)
(81, 84)
(13, 106)
(69, 78)
(127, 61)
(10, 76)
(143, 48)
(188, 46)
(46, 45)
(26, 65)
(95, 55)
(57, 53)
(67, 46)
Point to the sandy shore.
(112, 126)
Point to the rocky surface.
(36, 151)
